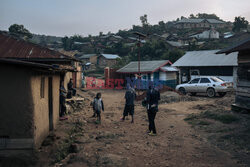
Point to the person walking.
(130, 96)
(153, 96)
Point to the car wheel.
(193, 94)
(210, 92)
(222, 94)
(182, 90)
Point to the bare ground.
(78, 141)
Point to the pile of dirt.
(204, 107)
(172, 97)
(228, 100)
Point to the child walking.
(98, 107)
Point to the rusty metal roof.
(48, 67)
(11, 47)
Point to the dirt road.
(116, 143)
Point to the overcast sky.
(69, 17)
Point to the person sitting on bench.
(70, 88)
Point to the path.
(115, 143)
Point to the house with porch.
(156, 70)
(207, 63)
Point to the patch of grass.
(224, 118)
(204, 123)
(191, 117)
(64, 148)
(215, 115)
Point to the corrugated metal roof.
(86, 56)
(206, 58)
(145, 66)
(190, 20)
(110, 56)
(11, 47)
(169, 69)
(35, 65)
(212, 21)
(175, 43)
(240, 46)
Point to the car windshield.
(216, 79)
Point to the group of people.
(65, 94)
(151, 104)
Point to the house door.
(156, 76)
(50, 104)
(74, 79)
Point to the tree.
(192, 16)
(239, 23)
(67, 43)
(144, 20)
(207, 16)
(19, 31)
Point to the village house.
(242, 98)
(30, 84)
(77, 74)
(207, 63)
(107, 60)
(29, 104)
(199, 23)
(208, 34)
(156, 70)
(88, 58)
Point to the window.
(216, 79)
(194, 81)
(42, 87)
(195, 72)
(205, 80)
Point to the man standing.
(153, 96)
(129, 106)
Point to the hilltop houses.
(99, 60)
(208, 34)
(199, 23)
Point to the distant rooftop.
(145, 66)
(110, 56)
(86, 56)
(212, 21)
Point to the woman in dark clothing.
(153, 96)
(62, 100)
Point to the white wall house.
(209, 34)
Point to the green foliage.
(204, 16)
(67, 43)
(240, 23)
(19, 31)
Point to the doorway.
(50, 103)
